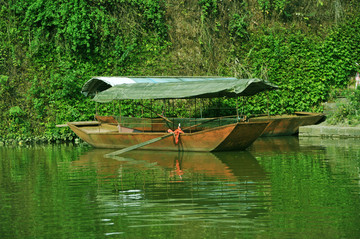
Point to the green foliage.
(304, 66)
(153, 12)
(209, 8)
(265, 6)
(347, 111)
(49, 49)
(62, 44)
(270, 7)
(3, 83)
(18, 125)
(238, 27)
(2, 58)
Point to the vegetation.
(346, 111)
(48, 50)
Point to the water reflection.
(342, 154)
(180, 165)
(186, 187)
(280, 188)
(283, 145)
(276, 144)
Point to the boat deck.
(106, 128)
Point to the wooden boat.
(237, 136)
(286, 125)
(233, 136)
(279, 125)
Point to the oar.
(136, 146)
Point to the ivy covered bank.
(48, 49)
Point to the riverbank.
(38, 140)
(337, 123)
(332, 131)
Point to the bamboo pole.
(237, 110)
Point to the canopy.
(231, 87)
(101, 83)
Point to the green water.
(279, 188)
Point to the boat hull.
(236, 136)
(286, 125)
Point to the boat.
(233, 136)
(288, 124)
(279, 125)
(236, 136)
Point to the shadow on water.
(237, 165)
(278, 188)
(285, 144)
(200, 182)
(242, 164)
(275, 188)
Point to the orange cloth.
(176, 133)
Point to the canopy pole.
(195, 110)
(267, 105)
(190, 116)
(151, 108)
(173, 112)
(113, 107)
(142, 108)
(164, 108)
(120, 112)
(142, 114)
(237, 110)
(219, 105)
(96, 108)
(242, 106)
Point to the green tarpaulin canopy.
(184, 90)
(100, 83)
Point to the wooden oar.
(136, 146)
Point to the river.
(285, 187)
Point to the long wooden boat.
(237, 136)
(279, 125)
(232, 136)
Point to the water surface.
(279, 188)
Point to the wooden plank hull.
(236, 136)
(286, 125)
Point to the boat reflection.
(226, 186)
(276, 144)
(280, 145)
(235, 165)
